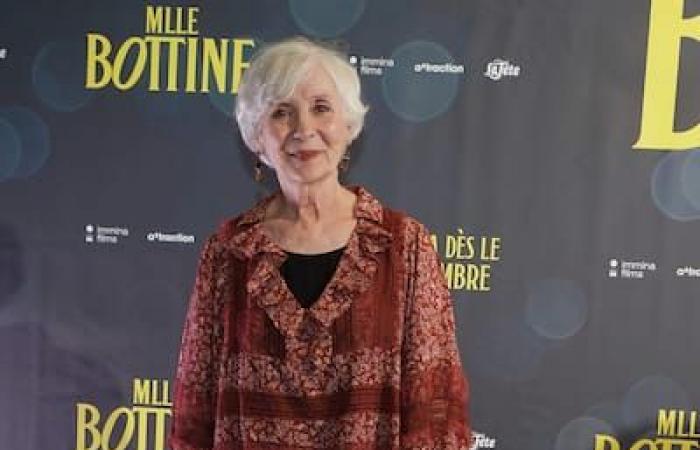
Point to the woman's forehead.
(317, 82)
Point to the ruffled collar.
(353, 276)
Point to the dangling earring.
(258, 174)
(345, 162)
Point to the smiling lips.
(306, 155)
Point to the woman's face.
(304, 137)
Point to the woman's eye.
(279, 113)
(321, 108)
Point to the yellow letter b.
(666, 29)
(604, 442)
(87, 418)
(97, 56)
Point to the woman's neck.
(309, 204)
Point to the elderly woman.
(319, 318)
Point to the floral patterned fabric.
(373, 364)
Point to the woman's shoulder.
(397, 221)
(402, 221)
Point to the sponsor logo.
(428, 67)
(177, 238)
(480, 440)
(635, 270)
(687, 272)
(143, 424)
(170, 56)
(675, 430)
(371, 66)
(100, 234)
(499, 68)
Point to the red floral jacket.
(373, 364)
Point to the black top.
(307, 275)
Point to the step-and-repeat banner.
(548, 145)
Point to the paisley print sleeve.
(434, 391)
(192, 424)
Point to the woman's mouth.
(306, 155)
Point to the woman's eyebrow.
(320, 96)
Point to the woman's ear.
(257, 147)
(260, 153)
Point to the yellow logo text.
(143, 423)
(675, 430)
(667, 27)
(171, 41)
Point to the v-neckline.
(353, 276)
(342, 262)
(332, 282)
(298, 268)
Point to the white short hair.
(277, 69)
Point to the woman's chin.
(308, 175)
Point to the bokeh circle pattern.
(579, 434)
(609, 412)
(326, 18)
(690, 178)
(33, 134)
(414, 94)
(643, 401)
(509, 350)
(672, 180)
(556, 309)
(10, 150)
(58, 76)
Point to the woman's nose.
(303, 126)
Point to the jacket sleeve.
(194, 399)
(434, 390)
